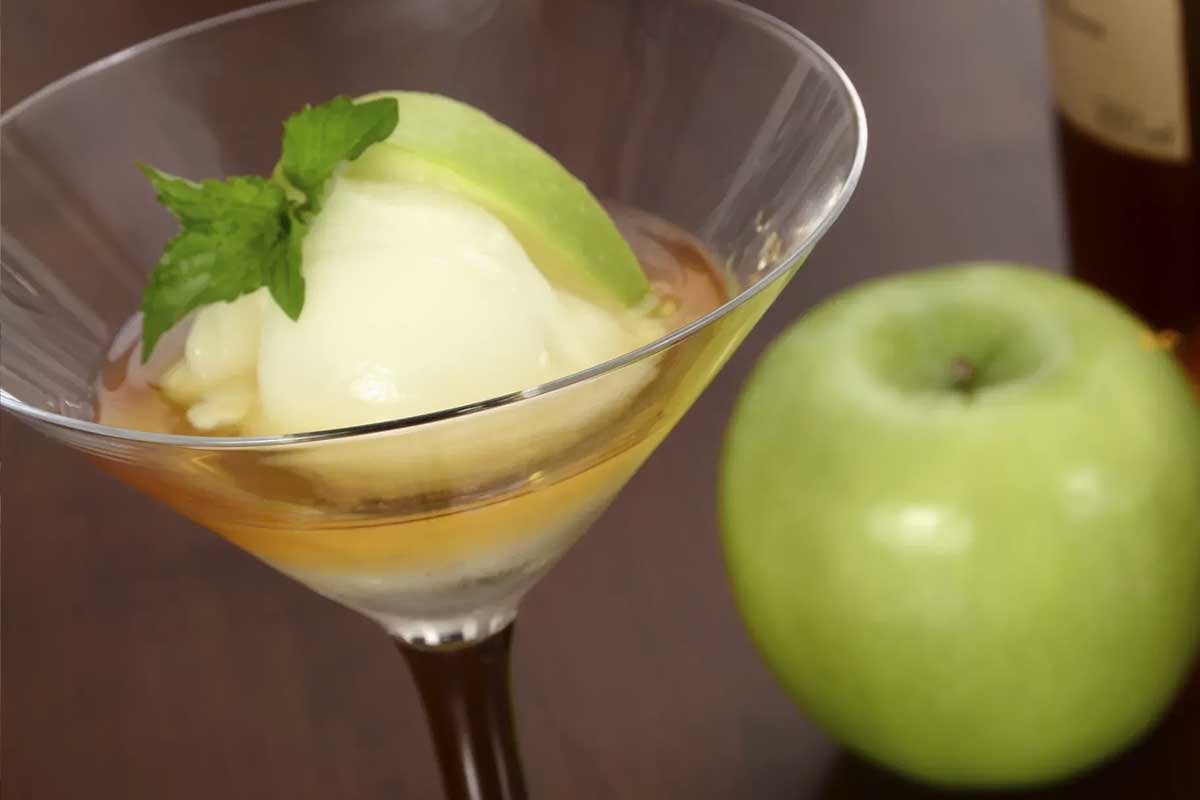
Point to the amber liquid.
(1134, 222)
(421, 522)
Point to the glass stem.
(464, 688)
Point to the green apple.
(563, 228)
(961, 514)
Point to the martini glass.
(709, 115)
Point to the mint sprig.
(236, 236)
(245, 232)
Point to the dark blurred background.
(146, 658)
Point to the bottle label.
(1120, 73)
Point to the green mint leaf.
(233, 234)
(211, 202)
(318, 138)
(283, 274)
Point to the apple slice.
(447, 144)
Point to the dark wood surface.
(146, 658)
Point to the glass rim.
(768, 23)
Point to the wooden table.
(146, 658)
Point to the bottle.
(1126, 77)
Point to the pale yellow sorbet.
(417, 300)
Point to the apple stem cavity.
(963, 375)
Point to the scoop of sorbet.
(417, 300)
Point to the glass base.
(450, 631)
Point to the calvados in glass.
(723, 143)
